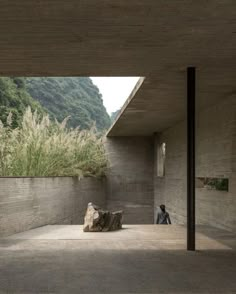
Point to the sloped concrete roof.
(158, 103)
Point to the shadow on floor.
(224, 237)
(73, 270)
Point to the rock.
(98, 220)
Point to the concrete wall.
(215, 157)
(27, 203)
(130, 178)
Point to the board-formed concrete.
(27, 203)
(137, 259)
(215, 158)
(150, 39)
(130, 178)
(100, 37)
(160, 101)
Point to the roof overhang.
(158, 103)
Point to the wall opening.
(161, 157)
(220, 184)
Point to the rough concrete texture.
(160, 101)
(130, 178)
(215, 157)
(27, 203)
(137, 259)
(126, 38)
(120, 38)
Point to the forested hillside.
(114, 115)
(14, 98)
(76, 97)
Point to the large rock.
(98, 220)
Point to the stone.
(99, 220)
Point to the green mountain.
(76, 97)
(14, 98)
(114, 115)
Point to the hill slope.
(114, 115)
(14, 98)
(76, 97)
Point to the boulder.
(99, 220)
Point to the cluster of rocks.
(99, 220)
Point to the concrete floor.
(137, 259)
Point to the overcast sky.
(114, 90)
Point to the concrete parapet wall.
(27, 203)
(130, 178)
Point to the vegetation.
(221, 184)
(14, 98)
(39, 147)
(36, 140)
(115, 114)
(76, 97)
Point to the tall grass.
(40, 147)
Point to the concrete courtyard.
(137, 259)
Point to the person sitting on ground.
(163, 217)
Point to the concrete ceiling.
(157, 39)
(158, 103)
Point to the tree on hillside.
(14, 98)
(76, 97)
(114, 115)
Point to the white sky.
(114, 90)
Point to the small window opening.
(220, 184)
(161, 156)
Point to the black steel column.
(191, 158)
